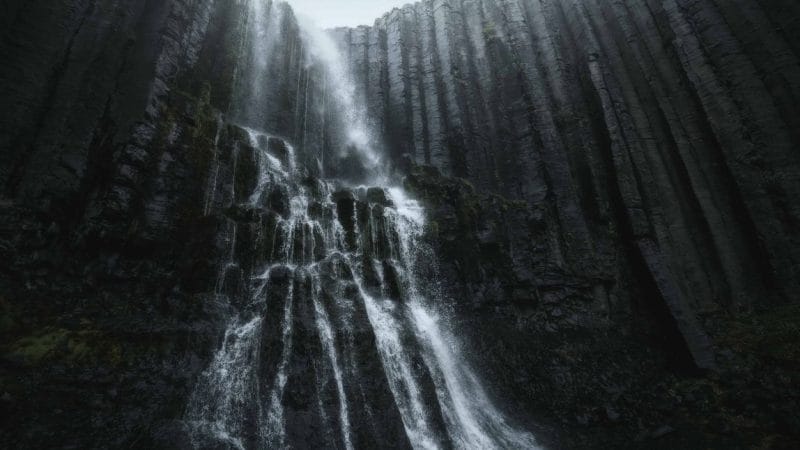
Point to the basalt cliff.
(473, 224)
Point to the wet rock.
(662, 431)
(172, 434)
(346, 213)
(372, 278)
(243, 213)
(316, 210)
(233, 282)
(247, 175)
(279, 149)
(278, 200)
(391, 280)
(343, 195)
(319, 240)
(611, 413)
(378, 196)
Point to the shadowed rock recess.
(475, 224)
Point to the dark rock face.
(657, 133)
(645, 158)
(110, 239)
(631, 208)
(588, 356)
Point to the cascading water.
(330, 342)
(341, 93)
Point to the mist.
(339, 13)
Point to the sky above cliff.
(337, 13)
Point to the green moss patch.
(65, 346)
(35, 349)
(773, 335)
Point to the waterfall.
(331, 342)
(341, 95)
(326, 335)
(264, 20)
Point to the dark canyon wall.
(662, 133)
(116, 164)
(631, 204)
(645, 157)
(122, 154)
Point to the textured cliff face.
(109, 257)
(128, 249)
(594, 360)
(645, 154)
(656, 134)
(632, 196)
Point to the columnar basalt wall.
(612, 187)
(111, 128)
(98, 91)
(660, 132)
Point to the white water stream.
(231, 405)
